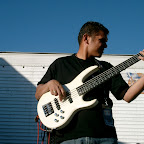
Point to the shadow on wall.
(17, 106)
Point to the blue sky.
(53, 26)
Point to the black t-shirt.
(86, 122)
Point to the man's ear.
(86, 38)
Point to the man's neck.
(82, 54)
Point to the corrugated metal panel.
(17, 107)
(19, 74)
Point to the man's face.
(97, 43)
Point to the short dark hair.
(90, 28)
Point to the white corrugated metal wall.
(19, 74)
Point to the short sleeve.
(117, 83)
(49, 75)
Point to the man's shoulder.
(63, 59)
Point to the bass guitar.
(56, 114)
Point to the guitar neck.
(106, 75)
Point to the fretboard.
(106, 75)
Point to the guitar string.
(100, 81)
(74, 93)
(71, 95)
(75, 90)
(63, 104)
(107, 73)
(115, 69)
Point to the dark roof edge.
(60, 53)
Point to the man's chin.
(99, 55)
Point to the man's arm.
(133, 91)
(130, 94)
(53, 86)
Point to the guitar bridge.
(48, 109)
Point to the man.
(93, 125)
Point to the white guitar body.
(55, 118)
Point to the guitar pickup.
(48, 109)
(70, 99)
(57, 104)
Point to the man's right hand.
(56, 89)
(53, 86)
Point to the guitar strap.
(100, 68)
(107, 106)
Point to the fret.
(106, 75)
